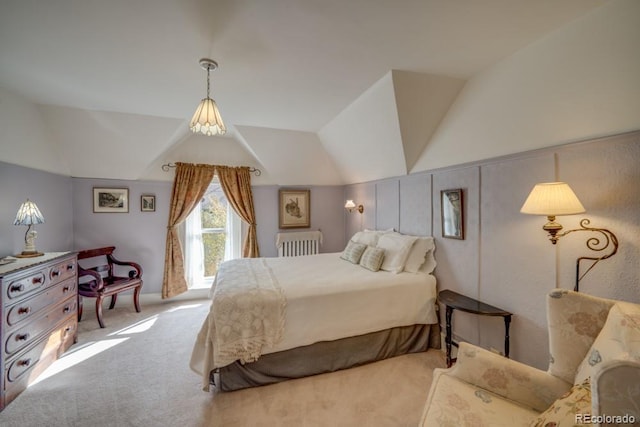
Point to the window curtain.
(236, 184)
(193, 247)
(189, 185)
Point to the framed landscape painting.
(110, 199)
(294, 208)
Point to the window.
(212, 235)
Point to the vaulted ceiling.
(312, 92)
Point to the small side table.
(453, 300)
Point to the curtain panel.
(236, 184)
(190, 184)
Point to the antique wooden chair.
(100, 280)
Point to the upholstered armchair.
(594, 371)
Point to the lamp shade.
(551, 199)
(349, 204)
(28, 214)
(207, 119)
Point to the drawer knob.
(36, 280)
(66, 309)
(55, 273)
(17, 288)
(25, 362)
(22, 337)
(70, 266)
(24, 310)
(66, 289)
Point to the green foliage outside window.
(214, 219)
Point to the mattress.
(328, 298)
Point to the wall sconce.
(557, 198)
(351, 206)
(29, 215)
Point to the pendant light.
(207, 119)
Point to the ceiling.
(126, 73)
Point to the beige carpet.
(135, 373)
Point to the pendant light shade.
(207, 119)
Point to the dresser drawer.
(23, 336)
(63, 271)
(46, 349)
(38, 318)
(31, 307)
(21, 286)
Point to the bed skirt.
(326, 356)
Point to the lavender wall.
(506, 259)
(138, 236)
(51, 193)
(327, 215)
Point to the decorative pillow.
(567, 410)
(353, 252)
(618, 339)
(418, 254)
(368, 238)
(372, 258)
(396, 250)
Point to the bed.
(273, 319)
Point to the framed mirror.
(452, 214)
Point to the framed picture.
(452, 214)
(148, 203)
(110, 199)
(294, 208)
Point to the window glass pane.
(213, 244)
(214, 208)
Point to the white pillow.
(369, 238)
(618, 339)
(396, 250)
(429, 263)
(418, 254)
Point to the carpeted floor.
(135, 372)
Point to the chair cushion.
(568, 410)
(457, 403)
(618, 339)
(113, 286)
(574, 321)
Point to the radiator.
(298, 243)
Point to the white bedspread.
(248, 310)
(328, 298)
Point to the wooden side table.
(453, 300)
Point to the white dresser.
(38, 307)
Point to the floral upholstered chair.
(593, 376)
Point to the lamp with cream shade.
(553, 199)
